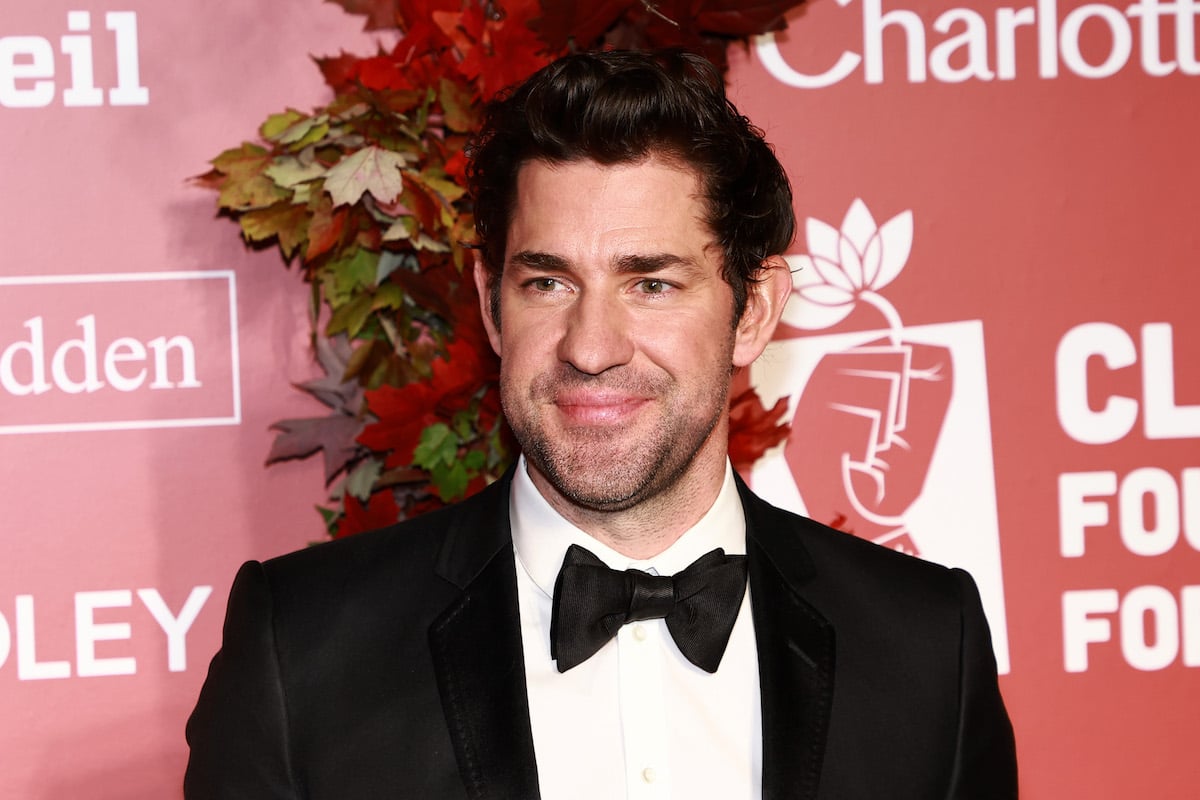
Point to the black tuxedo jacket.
(389, 665)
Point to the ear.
(765, 299)
(483, 286)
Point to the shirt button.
(639, 633)
(649, 775)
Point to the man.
(631, 225)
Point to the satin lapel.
(795, 653)
(478, 658)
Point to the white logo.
(968, 46)
(28, 69)
(891, 428)
(20, 639)
(121, 351)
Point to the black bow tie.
(592, 602)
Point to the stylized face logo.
(891, 432)
(869, 416)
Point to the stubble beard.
(593, 467)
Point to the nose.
(597, 335)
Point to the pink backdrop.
(991, 355)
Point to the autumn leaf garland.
(366, 195)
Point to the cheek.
(695, 340)
(528, 341)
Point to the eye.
(545, 284)
(652, 286)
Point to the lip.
(598, 407)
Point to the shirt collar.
(541, 535)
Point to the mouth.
(598, 407)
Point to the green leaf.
(447, 188)
(438, 447)
(276, 124)
(246, 186)
(371, 169)
(350, 317)
(450, 481)
(464, 425)
(388, 295)
(245, 194)
(305, 132)
(245, 161)
(315, 135)
(360, 483)
(287, 222)
(356, 271)
(329, 516)
(289, 171)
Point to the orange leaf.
(324, 230)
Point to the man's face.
(616, 339)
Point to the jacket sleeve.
(985, 764)
(238, 732)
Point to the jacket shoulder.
(432, 543)
(819, 550)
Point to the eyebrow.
(654, 262)
(634, 264)
(539, 261)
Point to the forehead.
(583, 209)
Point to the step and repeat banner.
(990, 355)
(992, 352)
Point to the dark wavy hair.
(621, 107)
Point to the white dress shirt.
(636, 720)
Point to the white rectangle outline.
(142, 424)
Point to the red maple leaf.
(380, 511)
(424, 504)
(340, 71)
(581, 22)
(456, 167)
(506, 50)
(738, 18)
(753, 430)
(413, 13)
(382, 72)
(380, 14)
(702, 26)
(404, 412)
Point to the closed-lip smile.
(597, 406)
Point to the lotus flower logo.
(846, 266)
